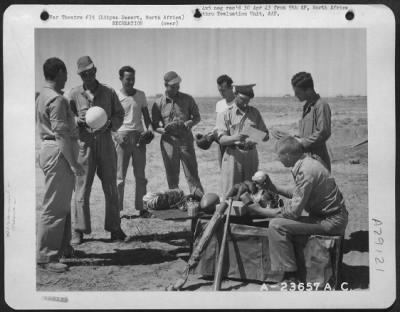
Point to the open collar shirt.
(182, 107)
(82, 99)
(233, 120)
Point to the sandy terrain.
(156, 253)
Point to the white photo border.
(20, 22)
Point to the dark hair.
(289, 144)
(124, 69)
(224, 78)
(51, 68)
(303, 81)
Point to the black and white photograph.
(187, 158)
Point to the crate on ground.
(247, 256)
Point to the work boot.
(118, 235)
(56, 267)
(76, 238)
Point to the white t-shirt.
(222, 106)
(133, 106)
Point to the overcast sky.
(268, 57)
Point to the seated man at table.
(315, 192)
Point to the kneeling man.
(315, 192)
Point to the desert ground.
(156, 253)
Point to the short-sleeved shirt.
(105, 97)
(315, 190)
(234, 120)
(222, 106)
(315, 128)
(54, 116)
(182, 107)
(133, 105)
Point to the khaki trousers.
(125, 152)
(54, 224)
(174, 151)
(237, 166)
(283, 232)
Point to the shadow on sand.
(358, 242)
(357, 276)
(122, 257)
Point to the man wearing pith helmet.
(240, 159)
(174, 115)
(97, 152)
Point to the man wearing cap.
(315, 192)
(97, 152)
(127, 138)
(315, 123)
(174, 115)
(58, 160)
(240, 159)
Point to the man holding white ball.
(89, 102)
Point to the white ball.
(96, 117)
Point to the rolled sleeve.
(323, 126)
(58, 110)
(118, 113)
(301, 195)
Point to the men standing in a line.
(174, 115)
(240, 159)
(315, 192)
(315, 123)
(58, 160)
(97, 152)
(225, 88)
(127, 138)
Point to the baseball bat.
(218, 271)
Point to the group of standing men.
(72, 153)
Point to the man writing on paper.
(240, 160)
